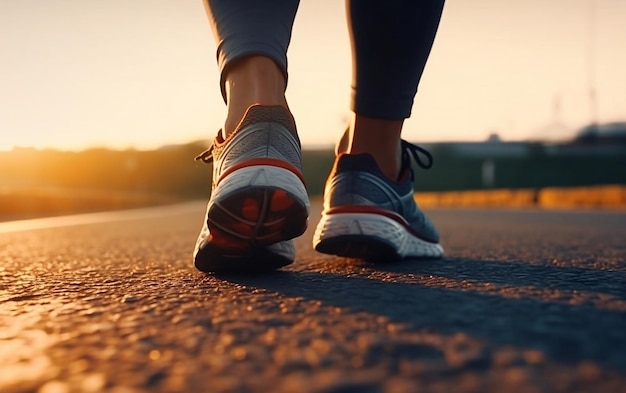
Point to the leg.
(252, 40)
(258, 200)
(252, 80)
(391, 42)
(369, 207)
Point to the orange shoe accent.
(225, 242)
(250, 209)
(280, 201)
(365, 209)
(374, 210)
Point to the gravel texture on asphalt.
(525, 301)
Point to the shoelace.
(410, 150)
(206, 156)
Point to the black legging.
(391, 41)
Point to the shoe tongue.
(275, 114)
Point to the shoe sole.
(257, 206)
(371, 237)
(211, 259)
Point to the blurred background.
(105, 104)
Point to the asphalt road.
(525, 301)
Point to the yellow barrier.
(609, 196)
(600, 196)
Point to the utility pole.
(591, 64)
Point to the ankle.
(379, 138)
(252, 80)
(389, 161)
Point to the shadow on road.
(567, 278)
(543, 319)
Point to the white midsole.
(263, 176)
(375, 225)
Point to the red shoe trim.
(262, 161)
(348, 209)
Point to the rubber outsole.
(248, 218)
(368, 248)
(257, 206)
(211, 259)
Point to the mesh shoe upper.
(264, 133)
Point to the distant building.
(492, 147)
(604, 140)
(602, 134)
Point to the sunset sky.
(141, 73)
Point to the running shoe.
(368, 216)
(258, 200)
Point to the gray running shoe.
(258, 200)
(368, 216)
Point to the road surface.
(525, 301)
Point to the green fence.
(174, 172)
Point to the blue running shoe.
(368, 216)
(258, 200)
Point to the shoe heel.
(258, 206)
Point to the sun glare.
(5, 146)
